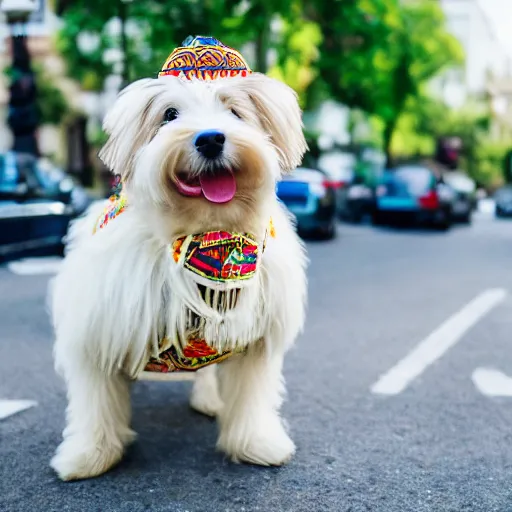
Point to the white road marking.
(10, 407)
(35, 266)
(492, 382)
(437, 343)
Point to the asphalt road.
(441, 441)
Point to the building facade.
(486, 57)
(41, 47)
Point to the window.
(417, 179)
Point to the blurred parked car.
(56, 184)
(503, 200)
(339, 167)
(357, 200)
(310, 197)
(32, 227)
(413, 193)
(37, 202)
(465, 195)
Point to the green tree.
(488, 166)
(377, 54)
(481, 157)
(426, 48)
(297, 52)
(150, 29)
(52, 104)
(427, 118)
(252, 21)
(88, 19)
(358, 50)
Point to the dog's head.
(207, 152)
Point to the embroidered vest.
(217, 263)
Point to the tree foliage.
(358, 49)
(145, 31)
(426, 118)
(298, 53)
(376, 54)
(51, 102)
(152, 28)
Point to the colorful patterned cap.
(205, 58)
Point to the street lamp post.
(23, 117)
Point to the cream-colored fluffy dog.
(194, 156)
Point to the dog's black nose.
(210, 144)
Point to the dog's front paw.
(77, 459)
(265, 444)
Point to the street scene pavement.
(399, 391)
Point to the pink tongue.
(219, 187)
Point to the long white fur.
(118, 292)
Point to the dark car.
(503, 200)
(357, 200)
(413, 193)
(37, 202)
(339, 168)
(465, 195)
(32, 227)
(311, 198)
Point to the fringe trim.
(227, 317)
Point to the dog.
(199, 159)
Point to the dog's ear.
(124, 125)
(280, 115)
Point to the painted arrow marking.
(10, 407)
(491, 382)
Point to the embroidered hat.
(204, 58)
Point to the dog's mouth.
(217, 185)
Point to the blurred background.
(404, 200)
(383, 83)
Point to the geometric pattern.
(196, 355)
(220, 256)
(205, 58)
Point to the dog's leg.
(251, 389)
(98, 418)
(205, 396)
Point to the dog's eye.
(235, 113)
(170, 115)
